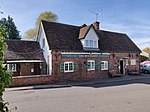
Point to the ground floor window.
(127, 62)
(90, 65)
(133, 61)
(68, 66)
(12, 67)
(104, 65)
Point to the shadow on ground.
(118, 83)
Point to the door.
(121, 67)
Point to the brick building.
(86, 52)
(68, 52)
(24, 57)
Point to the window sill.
(68, 71)
(90, 69)
(104, 69)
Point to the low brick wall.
(31, 80)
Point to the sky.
(125, 16)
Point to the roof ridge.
(20, 40)
(111, 32)
(60, 23)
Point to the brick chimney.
(96, 25)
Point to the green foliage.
(5, 77)
(143, 58)
(146, 49)
(9, 27)
(31, 33)
(48, 16)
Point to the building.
(146, 54)
(24, 57)
(86, 52)
(67, 53)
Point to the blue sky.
(127, 16)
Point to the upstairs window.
(86, 42)
(90, 43)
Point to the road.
(126, 96)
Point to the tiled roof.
(115, 42)
(83, 31)
(67, 37)
(62, 36)
(23, 50)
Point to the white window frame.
(133, 61)
(127, 62)
(91, 67)
(91, 43)
(95, 43)
(87, 43)
(9, 68)
(68, 70)
(105, 66)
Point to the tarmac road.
(123, 96)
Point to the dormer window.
(90, 43)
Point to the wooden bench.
(113, 73)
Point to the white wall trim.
(46, 52)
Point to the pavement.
(83, 83)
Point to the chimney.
(96, 25)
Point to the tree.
(48, 16)
(146, 49)
(10, 28)
(143, 58)
(5, 77)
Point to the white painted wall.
(46, 52)
(91, 35)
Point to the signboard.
(84, 56)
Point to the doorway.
(121, 67)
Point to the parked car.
(145, 68)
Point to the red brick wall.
(31, 80)
(129, 68)
(80, 74)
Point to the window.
(95, 43)
(86, 42)
(43, 43)
(68, 67)
(90, 65)
(104, 65)
(90, 43)
(11, 67)
(133, 61)
(127, 62)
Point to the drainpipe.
(48, 65)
